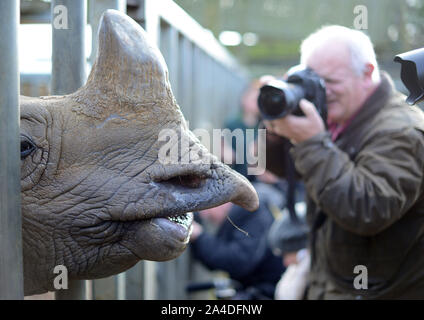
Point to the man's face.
(344, 88)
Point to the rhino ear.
(129, 67)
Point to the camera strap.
(291, 183)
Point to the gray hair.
(359, 44)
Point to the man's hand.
(298, 129)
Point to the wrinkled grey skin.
(93, 188)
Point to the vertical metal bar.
(121, 287)
(11, 268)
(89, 290)
(134, 282)
(152, 20)
(196, 90)
(68, 56)
(150, 283)
(186, 79)
(218, 112)
(172, 39)
(183, 269)
(208, 85)
(105, 288)
(169, 49)
(68, 74)
(199, 89)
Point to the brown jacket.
(366, 201)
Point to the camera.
(412, 74)
(279, 98)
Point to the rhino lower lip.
(178, 227)
(183, 219)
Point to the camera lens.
(279, 98)
(272, 101)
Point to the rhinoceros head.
(95, 196)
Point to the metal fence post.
(68, 74)
(169, 48)
(152, 20)
(68, 56)
(185, 79)
(11, 267)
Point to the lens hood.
(412, 74)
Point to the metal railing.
(11, 265)
(68, 75)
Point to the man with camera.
(363, 168)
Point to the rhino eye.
(27, 147)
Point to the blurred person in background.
(363, 176)
(239, 246)
(248, 118)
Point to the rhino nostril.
(189, 180)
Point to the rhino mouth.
(174, 221)
(163, 234)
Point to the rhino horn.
(129, 67)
